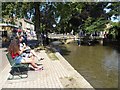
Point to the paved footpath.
(56, 74)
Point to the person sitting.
(15, 53)
(27, 50)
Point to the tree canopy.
(66, 16)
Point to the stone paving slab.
(4, 67)
(56, 74)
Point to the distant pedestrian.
(47, 40)
(78, 41)
(42, 39)
(80, 33)
(105, 35)
(72, 32)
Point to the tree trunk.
(37, 20)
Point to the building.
(6, 30)
(27, 26)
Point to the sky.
(115, 20)
(112, 18)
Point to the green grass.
(51, 54)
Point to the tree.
(21, 10)
(8, 12)
(114, 11)
(37, 20)
(90, 16)
(15, 10)
(74, 15)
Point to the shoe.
(40, 59)
(39, 68)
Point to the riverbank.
(97, 64)
(56, 74)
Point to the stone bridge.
(69, 38)
(63, 38)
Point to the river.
(97, 64)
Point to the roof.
(5, 24)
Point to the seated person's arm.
(25, 46)
(21, 51)
(22, 46)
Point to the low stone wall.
(81, 81)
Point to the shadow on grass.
(62, 50)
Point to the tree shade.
(89, 16)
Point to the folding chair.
(17, 69)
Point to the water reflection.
(111, 61)
(98, 64)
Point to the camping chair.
(17, 69)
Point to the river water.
(97, 64)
